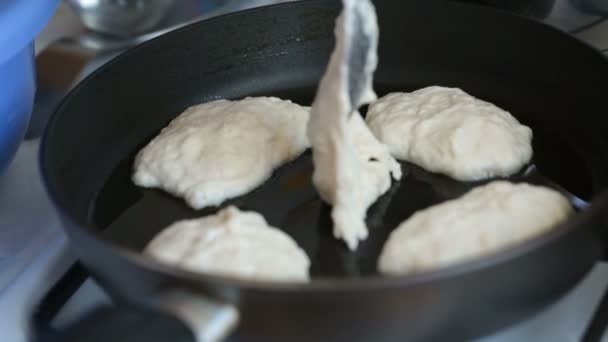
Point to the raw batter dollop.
(486, 219)
(231, 243)
(352, 169)
(445, 130)
(222, 149)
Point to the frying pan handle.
(123, 324)
(179, 316)
(209, 320)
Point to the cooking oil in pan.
(131, 216)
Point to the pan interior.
(282, 51)
(132, 216)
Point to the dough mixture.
(486, 219)
(447, 131)
(223, 149)
(231, 243)
(352, 169)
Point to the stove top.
(40, 278)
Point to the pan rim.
(324, 284)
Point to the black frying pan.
(547, 79)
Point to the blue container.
(20, 22)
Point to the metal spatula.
(358, 55)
